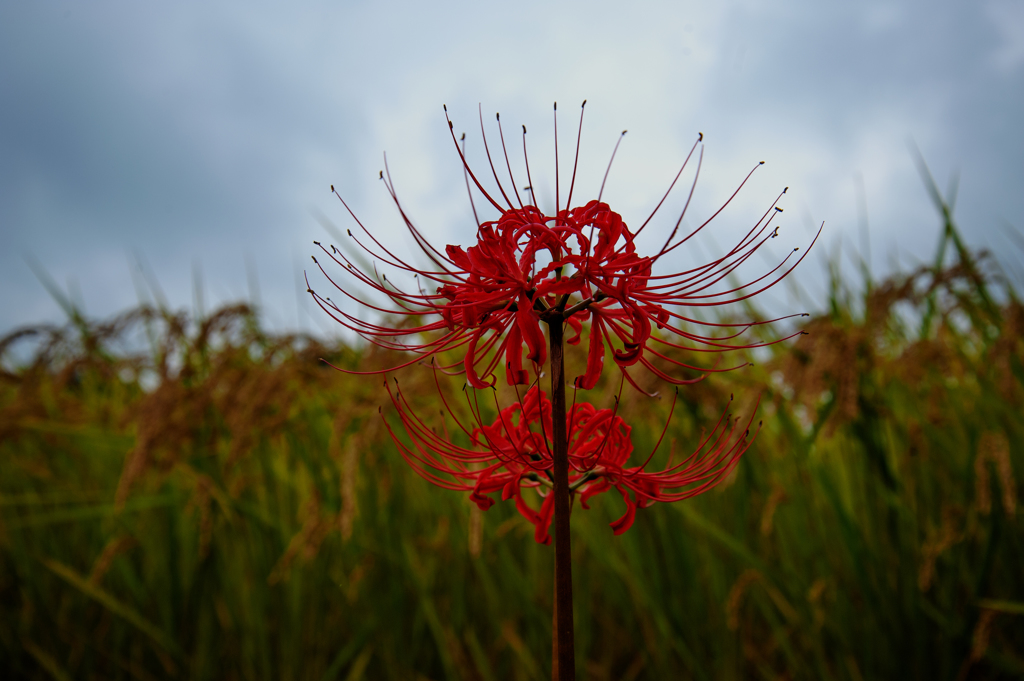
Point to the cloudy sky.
(196, 142)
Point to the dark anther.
(785, 190)
(451, 126)
(349, 232)
(309, 290)
(760, 163)
(583, 104)
(796, 249)
(332, 187)
(380, 409)
(730, 397)
(381, 175)
(316, 242)
(624, 132)
(314, 258)
(445, 106)
(556, 106)
(527, 188)
(778, 209)
(497, 116)
(700, 137)
(463, 138)
(524, 129)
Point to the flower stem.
(563, 644)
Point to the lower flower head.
(512, 455)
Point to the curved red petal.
(626, 521)
(595, 357)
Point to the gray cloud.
(205, 134)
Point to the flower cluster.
(514, 453)
(578, 268)
(579, 265)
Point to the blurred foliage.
(196, 498)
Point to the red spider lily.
(513, 454)
(488, 302)
(489, 299)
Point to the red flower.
(513, 454)
(489, 299)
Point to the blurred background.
(187, 492)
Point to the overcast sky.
(200, 139)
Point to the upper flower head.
(577, 265)
(513, 454)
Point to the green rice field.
(196, 498)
